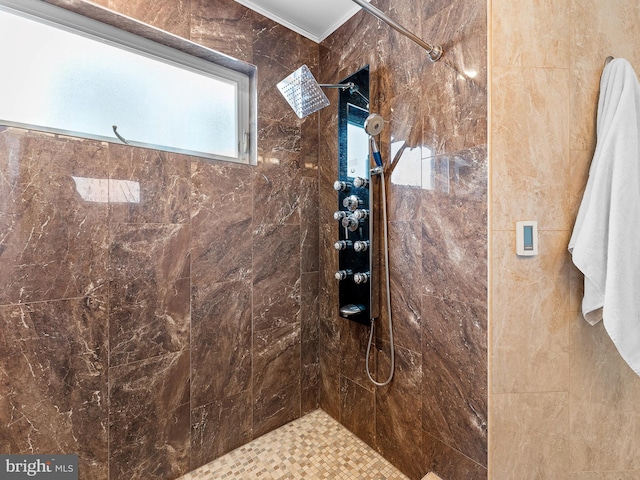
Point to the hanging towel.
(605, 244)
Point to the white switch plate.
(527, 238)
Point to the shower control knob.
(351, 223)
(339, 186)
(361, 278)
(361, 246)
(351, 202)
(342, 244)
(360, 182)
(343, 274)
(339, 215)
(361, 214)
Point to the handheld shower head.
(373, 126)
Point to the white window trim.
(142, 39)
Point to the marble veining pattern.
(169, 323)
(213, 245)
(433, 416)
(547, 62)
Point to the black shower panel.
(354, 213)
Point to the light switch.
(527, 238)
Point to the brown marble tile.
(431, 110)
(449, 464)
(227, 27)
(149, 308)
(163, 179)
(309, 334)
(454, 394)
(351, 47)
(309, 224)
(309, 149)
(356, 405)
(353, 352)
(431, 8)
(399, 409)
(277, 52)
(169, 15)
(402, 58)
(276, 276)
(221, 342)
(276, 181)
(404, 162)
(221, 222)
(329, 354)
(310, 378)
(276, 377)
(457, 84)
(53, 243)
(454, 249)
(406, 276)
(54, 376)
(149, 424)
(219, 427)
(309, 318)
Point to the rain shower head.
(303, 93)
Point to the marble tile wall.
(153, 337)
(433, 416)
(559, 392)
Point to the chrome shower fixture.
(305, 94)
(373, 125)
(302, 92)
(434, 51)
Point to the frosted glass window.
(78, 83)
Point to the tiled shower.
(153, 337)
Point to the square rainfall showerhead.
(303, 93)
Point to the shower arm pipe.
(341, 86)
(434, 51)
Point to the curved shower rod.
(434, 51)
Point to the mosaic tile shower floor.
(313, 447)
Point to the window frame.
(111, 28)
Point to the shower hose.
(388, 290)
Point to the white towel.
(605, 244)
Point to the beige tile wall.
(561, 399)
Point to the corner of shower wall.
(433, 416)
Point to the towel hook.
(607, 60)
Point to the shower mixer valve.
(351, 202)
(343, 244)
(361, 246)
(361, 214)
(339, 186)
(344, 274)
(359, 182)
(360, 278)
(351, 222)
